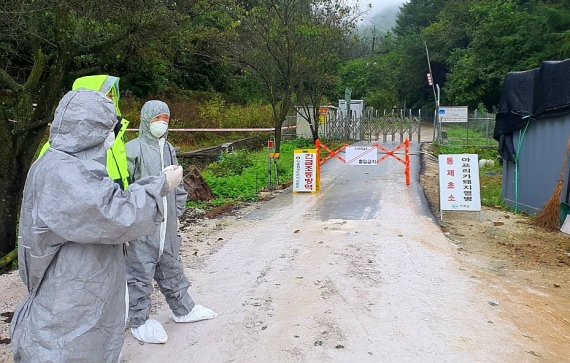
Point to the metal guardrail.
(266, 129)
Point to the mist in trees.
(473, 44)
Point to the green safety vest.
(117, 165)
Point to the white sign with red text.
(305, 166)
(459, 182)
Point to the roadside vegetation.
(241, 176)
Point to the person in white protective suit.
(156, 256)
(74, 222)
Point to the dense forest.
(472, 45)
(275, 54)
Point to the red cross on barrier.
(392, 153)
(332, 154)
(387, 154)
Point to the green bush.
(231, 164)
(491, 178)
(235, 116)
(242, 175)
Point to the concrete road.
(358, 273)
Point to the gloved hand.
(173, 176)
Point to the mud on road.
(359, 273)
(525, 267)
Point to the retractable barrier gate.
(364, 155)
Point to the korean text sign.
(453, 113)
(305, 166)
(361, 155)
(459, 182)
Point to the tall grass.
(202, 110)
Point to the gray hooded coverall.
(73, 223)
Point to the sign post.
(459, 188)
(347, 98)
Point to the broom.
(549, 218)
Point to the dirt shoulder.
(506, 240)
(528, 268)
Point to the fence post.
(410, 125)
(402, 118)
(420, 125)
(408, 171)
(487, 130)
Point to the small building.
(356, 108)
(533, 130)
(303, 128)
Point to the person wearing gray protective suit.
(74, 222)
(157, 255)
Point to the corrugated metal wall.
(540, 162)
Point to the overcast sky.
(379, 5)
(382, 14)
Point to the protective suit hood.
(83, 119)
(150, 110)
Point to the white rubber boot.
(198, 313)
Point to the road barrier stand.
(380, 150)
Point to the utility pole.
(373, 39)
(429, 67)
(436, 124)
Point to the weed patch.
(242, 175)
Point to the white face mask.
(109, 140)
(158, 128)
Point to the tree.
(416, 15)
(475, 43)
(525, 35)
(329, 39)
(374, 79)
(273, 44)
(45, 45)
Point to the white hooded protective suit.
(156, 256)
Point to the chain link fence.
(477, 131)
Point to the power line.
(374, 23)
